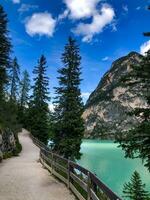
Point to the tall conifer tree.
(5, 48)
(14, 79)
(135, 189)
(147, 33)
(12, 104)
(69, 127)
(38, 109)
(8, 110)
(24, 98)
(24, 89)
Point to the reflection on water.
(107, 161)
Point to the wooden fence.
(83, 183)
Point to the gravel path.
(23, 177)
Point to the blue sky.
(104, 29)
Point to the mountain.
(106, 111)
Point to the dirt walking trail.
(24, 178)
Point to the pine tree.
(38, 107)
(69, 127)
(8, 110)
(12, 104)
(24, 98)
(147, 33)
(135, 189)
(14, 80)
(8, 117)
(24, 89)
(5, 48)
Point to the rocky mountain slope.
(106, 112)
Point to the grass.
(14, 152)
(18, 148)
(7, 155)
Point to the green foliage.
(147, 33)
(38, 106)
(24, 98)
(7, 155)
(135, 189)
(18, 148)
(14, 152)
(14, 80)
(8, 109)
(9, 116)
(10, 105)
(24, 89)
(137, 140)
(69, 127)
(5, 48)
(51, 122)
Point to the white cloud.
(63, 15)
(114, 26)
(138, 8)
(16, 1)
(89, 9)
(105, 58)
(99, 21)
(51, 107)
(81, 8)
(40, 24)
(26, 7)
(145, 47)
(85, 96)
(125, 8)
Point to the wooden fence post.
(89, 187)
(52, 163)
(40, 155)
(92, 184)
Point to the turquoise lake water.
(107, 161)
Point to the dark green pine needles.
(5, 48)
(38, 108)
(135, 189)
(14, 79)
(147, 33)
(69, 127)
(24, 99)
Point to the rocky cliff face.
(7, 143)
(107, 108)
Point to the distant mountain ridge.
(107, 107)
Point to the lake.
(107, 161)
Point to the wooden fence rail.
(83, 183)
